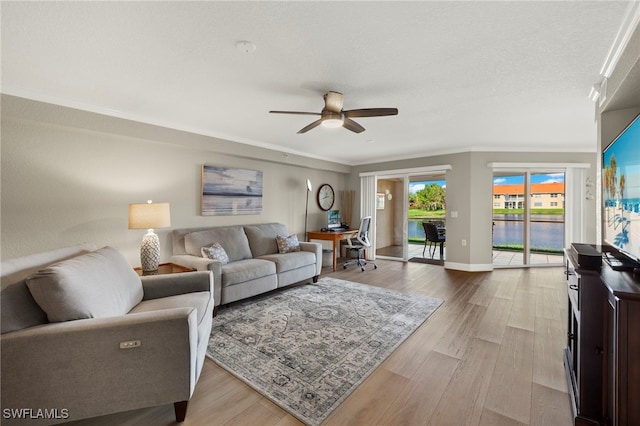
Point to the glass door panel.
(427, 203)
(547, 218)
(508, 219)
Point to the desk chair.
(359, 244)
(434, 236)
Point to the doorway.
(385, 197)
(528, 218)
(402, 204)
(390, 210)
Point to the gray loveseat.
(255, 263)
(84, 336)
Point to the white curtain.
(575, 196)
(368, 208)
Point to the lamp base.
(150, 252)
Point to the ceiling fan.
(333, 115)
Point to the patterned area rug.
(307, 348)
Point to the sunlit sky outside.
(535, 178)
(502, 180)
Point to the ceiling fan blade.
(294, 112)
(333, 101)
(349, 124)
(370, 112)
(310, 126)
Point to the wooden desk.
(332, 236)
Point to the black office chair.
(434, 235)
(359, 244)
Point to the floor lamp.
(306, 210)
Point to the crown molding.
(628, 26)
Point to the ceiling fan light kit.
(333, 115)
(332, 119)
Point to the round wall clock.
(326, 196)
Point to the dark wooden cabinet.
(622, 356)
(602, 357)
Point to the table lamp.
(149, 216)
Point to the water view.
(547, 231)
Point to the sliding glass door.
(528, 218)
(385, 197)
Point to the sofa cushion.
(232, 239)
(262, 238)
(287, 244)
(93, 285)
(215, 252)
(289, 261)
(17, 306)
(246, 270)
(200, 300)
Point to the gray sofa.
(255, 265)
(84, 336)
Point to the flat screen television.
(621, 192)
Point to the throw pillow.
(215, 252)
(93, 285)
(287, 244)
(232, 238)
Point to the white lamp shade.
(149, 215)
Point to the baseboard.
(468, 267)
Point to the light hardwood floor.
(490, 355)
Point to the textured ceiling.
(464, 75)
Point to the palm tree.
(609, 179)
(613, 165)
(622, 184)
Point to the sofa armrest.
(195, 262)
(204, 264)
(81, 366)
(314, 248)
(157, 286)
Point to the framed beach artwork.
(230, 191)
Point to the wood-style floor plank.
(510, 391)
(463, 400)
(416, 403)
(490, 355)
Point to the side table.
(165, 268)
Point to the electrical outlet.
(464, 243)
(130, 344)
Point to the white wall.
(68, 176)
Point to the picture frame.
(230, 191)
(379, 201)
